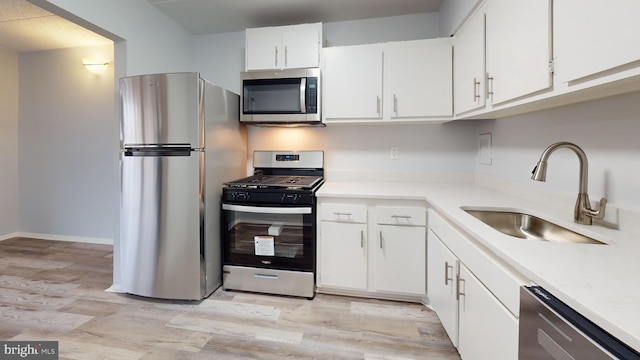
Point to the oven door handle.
(267, 210)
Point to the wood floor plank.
(52, 290)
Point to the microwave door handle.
(303, 97)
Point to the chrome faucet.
(583, 213)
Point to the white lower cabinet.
(343, 255)
(372, 248)
(476, 319)
(486, 329)
(400, 259)
(442, 268)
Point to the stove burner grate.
(276, 181)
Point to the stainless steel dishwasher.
(551, 330)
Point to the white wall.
(606, 129)
(360, 149)
(8, 143)
(68, 127)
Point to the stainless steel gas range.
(269, 224)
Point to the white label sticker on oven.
(264, 245)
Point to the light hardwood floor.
(51, 290)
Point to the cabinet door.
(487, 330)
(301, 45)
(441, 287)
(418, 79)
(352, 83)
(263, 48)
(468, 65)
(400, 259)
(343, 255)
(592, 38)
(518, 48)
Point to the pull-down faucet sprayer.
(583, 213)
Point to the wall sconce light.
(95, 66)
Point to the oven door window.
(273, 237)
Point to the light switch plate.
(484, 150)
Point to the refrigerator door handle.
(158, 151)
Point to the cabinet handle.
(342, 214)
(446, 273)
(381, 245)
(476, 89)
(362, 239)
(401, 216)
(395, 104)
(490, 86)
(378, 104)
(458, 291)
(276, 56)
(286, 53)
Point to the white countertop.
(598, 281)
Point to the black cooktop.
(276, 181)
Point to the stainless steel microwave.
(281, 97)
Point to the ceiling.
(26, 27)
(217, 16)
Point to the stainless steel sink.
(527, 226)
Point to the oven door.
(279, 237)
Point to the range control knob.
(240, 196)
(290, 198)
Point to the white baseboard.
(9, 236)
(115, 288)
(88, 240)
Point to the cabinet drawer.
(397, 215)
(349, 213)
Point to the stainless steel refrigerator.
(180, 139)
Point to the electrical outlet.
(393, 154)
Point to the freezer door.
(161, 109)
(161, 225)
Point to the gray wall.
(453, 13)
(154, 42)
(68, 129)
(8, 143)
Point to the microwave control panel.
(312, 95)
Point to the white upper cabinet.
(352, 82)
(283, 47)
(519, 48)
(409, 81)
(468, 65)
(418, 79)
(593, 37)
